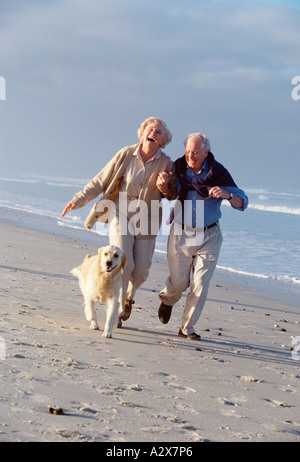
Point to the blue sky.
(81, 75)
(294, 4)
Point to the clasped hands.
(162, 182)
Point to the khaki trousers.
(191, 264)
(139, 257)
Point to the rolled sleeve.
(239, 192)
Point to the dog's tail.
(76, 271)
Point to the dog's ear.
(100, 260)
(100, 251)
(100, 255)
(124, 260)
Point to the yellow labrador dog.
(100, 281)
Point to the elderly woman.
(132, 185)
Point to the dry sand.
(146, 384)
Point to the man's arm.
(237, 198)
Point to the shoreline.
(146, 384)
(286, 290)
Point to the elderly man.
(193, 252)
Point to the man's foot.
(192, 336)
(164, 313)
(127, 310)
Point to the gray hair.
(167, 134)
(202, 138)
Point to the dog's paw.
(94, 325)
(106, 334)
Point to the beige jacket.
(106, 183)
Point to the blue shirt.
(199, 212)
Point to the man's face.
(195, 154)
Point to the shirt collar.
(157, 155)
(203, 168)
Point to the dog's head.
(111, 258)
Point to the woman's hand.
(68, 207)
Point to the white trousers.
(139, 257)
(191, 266)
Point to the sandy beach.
(146, 384)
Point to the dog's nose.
(108, 263)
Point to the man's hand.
(219, 193)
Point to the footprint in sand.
(155, 429)
(119, 362)
(225, 401)
(134, 387)
(176, 386)
(65, 433)
(185, 407)
(246, 378)
(273, 402)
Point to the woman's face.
(153, 136)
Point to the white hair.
(167, 134)
(204, 140)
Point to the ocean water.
(262, 242)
